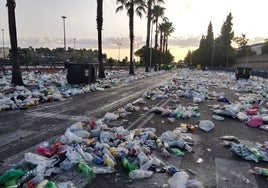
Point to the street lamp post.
(64, 37)
(4, 55)
(151, 46)
(74, 51)
(119, 44)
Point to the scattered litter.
(261, 171)
(206, 125)
(216, 117)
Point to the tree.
(158, 11)
(210, 44)
(130, 5)
(226, 37)
(166, 28)
(99, 28)
(264, 49)
(150, 3)
(16, 71)
(167, 57)
(243, 48)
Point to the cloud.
(256, 40)
(112, 42)
(55, 42)
(184, 42)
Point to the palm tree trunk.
(161, 41)
(167, 43)
(99, 27)
(149, 15)
(131, 36)
(164, 43)
(16, 72)
(156, 33)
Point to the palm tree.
(150, 3)
(161, 28)
(166, 29)
(130, 5)
(158, 11)
(99, 28)
(16, 72)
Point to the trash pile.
(247, 150)
(94, 148)
(43, 87)
(251, 107)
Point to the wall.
(257, 62)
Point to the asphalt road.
(211, 163)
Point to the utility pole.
(4, 55)
(64, 37)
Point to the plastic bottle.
(97, 159)
(139, 174)
(90, 141)
(51, 184)
(127, 165)
(108, 161)
(33, 182)
(146, 150)
(177, 143)
(257, 154)
(261, 171)
(165, 153)
(84, 168)
(189, 148)
(177, 152)
(66, 164)
(42, 184)
(142, 158)
(159, 143)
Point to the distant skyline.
(39, 23)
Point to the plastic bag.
(178, 180)
(111, 116)
(67, 184)
(38, 160)
(219, 118)
(242, 116)
(206, 125)
(194, 184)
(10, 177)
(255, 122)
(72, 138)
(43, 151)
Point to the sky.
(39, 24)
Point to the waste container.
(243, 72)
(80, 73)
